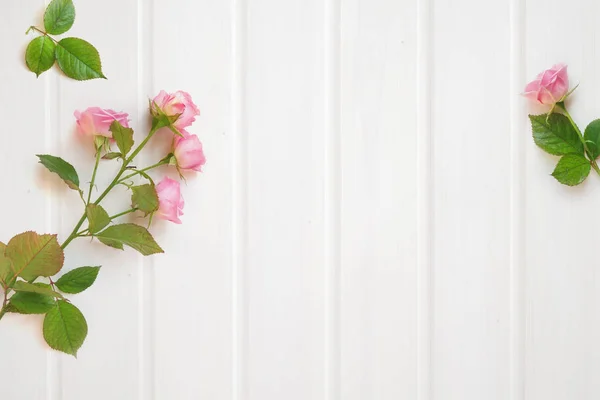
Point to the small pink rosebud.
(550, 86)
(188, 152)
(170, 201)
(178, 103)
(96, 121)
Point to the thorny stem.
(158, 164)
(115, 181)
(126, 163)
(98, 151)
(124, 213)
(75, 232)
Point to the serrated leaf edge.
(102, 76)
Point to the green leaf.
(123, 136)
(77, 280)
(7, 275)
(59, 16)
(34, 255)
(572, 169)
(144, 197)
(161, 120)
(592, 138)
(132, 235)
(65, 328)
(39, 55)
(32, 303)
(555, 135)
(78, 59)
(21, 286)
(111, 156)
(97, 216)
(62, 168)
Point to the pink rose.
(96, 121)
(550, 86)
(170, 201)
(177, 103)
(188, 152)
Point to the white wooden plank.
(23, 372)
(285, 266)
(471, 161)
(379, 203)
(561, 274)
(193, 287)
(110, 353)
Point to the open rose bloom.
(95, 121)
(549, 87)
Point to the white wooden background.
(374, 221)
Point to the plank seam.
(332, 198)
(425, 203)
